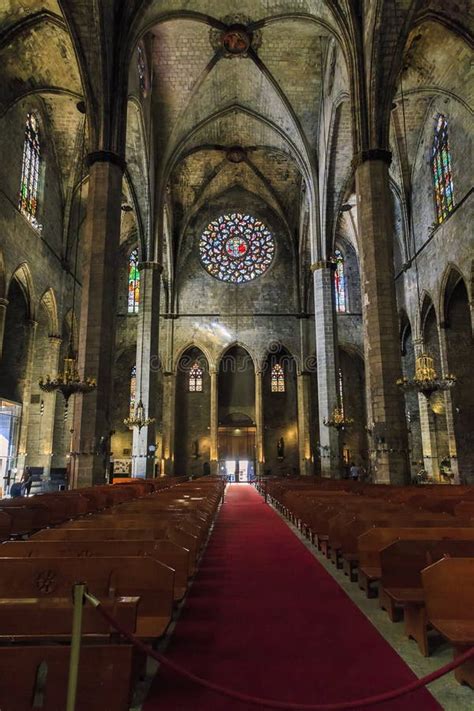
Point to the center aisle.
(264, 618)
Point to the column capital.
(55, 337)
(371, 154)
(4, 302)
(322, 264)
(106, 157)
(152, 266)
(31, 323)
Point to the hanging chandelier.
(68, 382)
(338, 420)
(426, 380)
(138, 418)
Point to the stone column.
(214, 424)
(3, 318)
(92, 414)
(259, 432)
(148, 363)
(385, 405)
(326, 363)
(30, 337)
(304, 422)
(49, 412)
(448, 402)
(169, 414)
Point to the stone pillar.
(326, 364)
(448, 402)
(92, 415)
(427, 425)
(386, 415)
(169, 414)
(148, 363)
(214, 424)
(259, 432)
(304, 422)
(3, 318)
(49, 412)
(30, 337)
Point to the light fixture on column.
(138, 418)
(426, 380)
(68, 381)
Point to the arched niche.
(15, 343)
(193, 412)
(459, 346)
(351, 383)
(280, 412)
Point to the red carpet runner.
(264, 617)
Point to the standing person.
(26, 482)
(354, 472)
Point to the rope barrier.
(271, 703)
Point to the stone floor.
(451, 695)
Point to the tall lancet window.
(442, 173)
(141, 66)
(195, 378)
(133, 390)
(340, 389)
(133, 283)
(28, 203)
(340, 283)
(278, 379)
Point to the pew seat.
(450, 608)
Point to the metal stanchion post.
(78, 593)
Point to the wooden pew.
(450, 607)
(106, 578)
(35, 677)
(162, 528)
(401, 585)
(372, 542)
(163, 551)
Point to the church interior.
(236, 355)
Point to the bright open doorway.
(237, 470)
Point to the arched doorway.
(459, 345)
(236, 415)
(351, 385)
(13, 372)
(436, 409)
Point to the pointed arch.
(22, 275)
(451, 278)
(50, 305)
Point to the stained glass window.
(195, 378)
(133, 389)
(278, 379)
(340, 283)
(236, 248)
(442, 173)
(133, 283)
(28, 203)
(141, 65)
